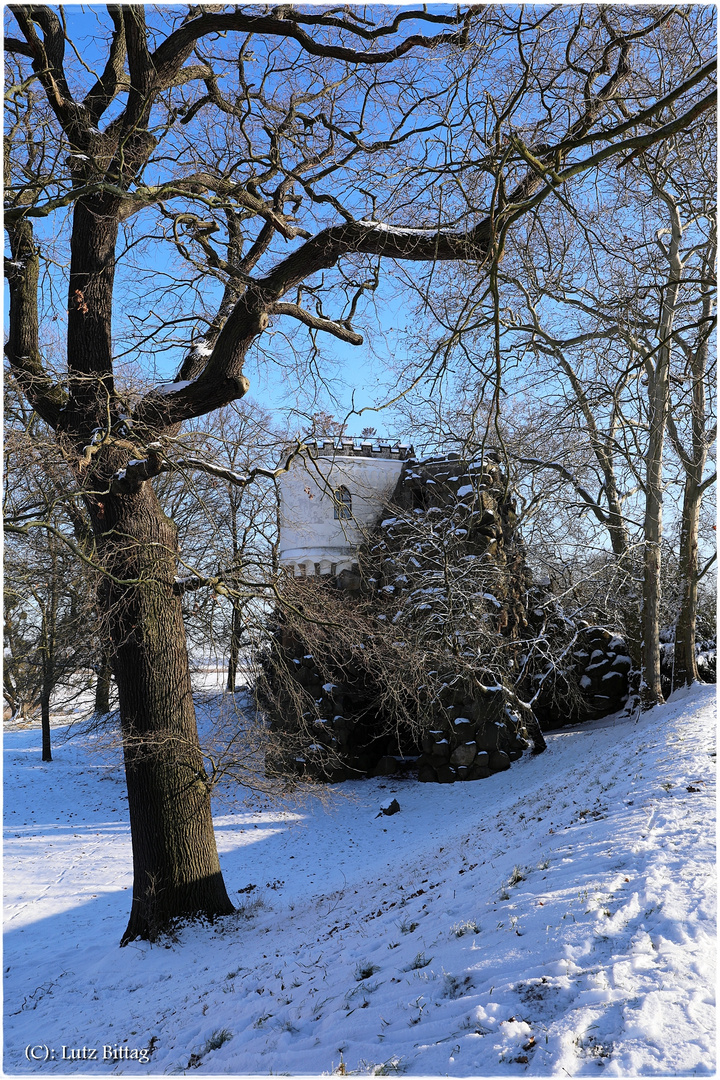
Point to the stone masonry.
(443, 571)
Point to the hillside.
(556, 919)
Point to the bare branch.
(177, 47)
(315, 322)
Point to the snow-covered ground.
(557, 919)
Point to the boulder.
(499, 761)
(426, 774)
(386, 766)
(464, 754)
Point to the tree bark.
(90, 299)
(175, 862)
(48, 672)
(685, 668)
(102, 686)
(651, 688)
(235, 632)
(45, 725)
(658, 401)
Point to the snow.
(409, 233)
(201, 348)
(380, 226)
(556, 919)
(172, 388)
(466, 489)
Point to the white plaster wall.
(309, 532)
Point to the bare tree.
(692, 433)
(51, 646)
(227, 530)
(654, 314)
(281, 155)
(605, 308)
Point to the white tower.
(330, 499)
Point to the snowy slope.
(558, 919)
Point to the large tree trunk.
(650, 687)
(658, 403)
(685, 667)
(175, 861)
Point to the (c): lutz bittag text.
(108, 1052)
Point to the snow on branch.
(137, 471)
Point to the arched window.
(343, 503)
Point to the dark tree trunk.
(48, 672)
(175, 861)
(102, 685)
(45, 724)
(235, 632)
(90, 297)
(651, 688)
(685, 667)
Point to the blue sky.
(349, 376)
(365, 376)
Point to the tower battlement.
(331, 497)
(349, 446)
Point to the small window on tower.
(343, 503)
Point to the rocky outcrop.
(448, 565)
(451, 640)
(591, 680)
